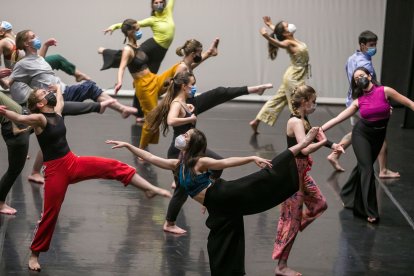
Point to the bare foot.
(6, 209)
(389, 174)
(254, 125)
(128, 110)
(333, 159)
(286, 271)
(158, 191)
(79, 76)
(100, 50)
(259, 89)
(372, 220)
(171, 227)
(213, 51)
(36, 178)
(105, 104)
(34, 262)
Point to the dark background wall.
(398, 51)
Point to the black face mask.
(363, 82)
(51, 99)
(197, 59)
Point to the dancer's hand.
(51, 42)
(117, 88)
(267, 20)
(5, 72)
(3, 109)
(213, 50)
(193, 118)
(337, 148)
(321, 136)
(262, 163)
(109, 30)
(263, 31)
(117, 144)
(191, 108)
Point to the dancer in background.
(362, 58)
(162, 25)
(62, 167)
(11, 55)
(179, 109)
(149, 86)
(228, 201)
(282, 36)
(372, 101)
(292, 216)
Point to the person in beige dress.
(295, 75)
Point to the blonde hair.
(301, 93)
(190, 46)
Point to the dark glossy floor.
(106, 229)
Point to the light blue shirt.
(358, 59)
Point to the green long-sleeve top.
(161, 24)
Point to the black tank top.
(139, 62)
(52, 140)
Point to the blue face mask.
(138, 35)
(36, 43)
(192, 91)
(371, 51)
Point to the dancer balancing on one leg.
(228, 201)
(63, 167)
(372, 101)
(179, 109)
(295, 74)
(292, 216)
(162, 26)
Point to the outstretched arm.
(168, 164)
(351, 110)
(207, 163)
(393, 94)
(33, 120)
(281, 44)
(46, 45)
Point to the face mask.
(51, 99)
(363, 82)
(6, 25)
(311, 109)
(159, 7)
(180, 142)
(291, 28)
(138, 35)
(371, 51)
(197, 59)
(192, 91)
(36, 43)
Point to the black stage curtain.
(398, 53)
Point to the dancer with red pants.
(62, 167)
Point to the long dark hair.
(357, 91)
(196, 148)
(277, 34)
(158, 116)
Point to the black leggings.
(202, 103)
(228, 201)
(17, 149)
(359, 192)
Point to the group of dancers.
(39, 100)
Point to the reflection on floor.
(106, 229)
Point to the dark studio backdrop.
(398, 52)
